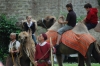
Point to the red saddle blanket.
(53, 35)
(78, 42)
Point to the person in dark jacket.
(70, 23)
(30, 25)
(91, 19)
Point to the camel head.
(47, 22)
(23, 37)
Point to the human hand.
(51, 45)
(36, 63)
(61, 20)
(12, 52)
(84, 19)
(15, 51)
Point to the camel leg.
(88, 60)
(59, 59)
(24, 62)
(80, 60)
(95, 54)
(88, 54)
(9, 61)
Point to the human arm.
(25, 28)
(35, 23)
(88, 17)
(33, 27)
(62, 21)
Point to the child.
(30, 25)
(91, 19)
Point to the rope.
(44, 54)
(18, 60)
(12, 59)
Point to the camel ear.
(30, 32)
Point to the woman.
(30, 25)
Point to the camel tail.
(95, 54)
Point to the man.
(14, 44)
(42, 51)
(91, 19)
(30, 25)
(14, 47)
(70, 22)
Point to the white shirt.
(16, 46)
(42, 43)
(29, 24)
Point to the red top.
(92, 16)
(41, 50)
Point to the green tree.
(6, 27)
(99, 2)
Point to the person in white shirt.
(14, 47)
(14, 44)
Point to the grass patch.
(76, 64)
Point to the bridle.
(43, 23)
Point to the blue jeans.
(64, 28)
(34, 38)
(90, 25)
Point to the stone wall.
(41, 8)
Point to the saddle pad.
(78, 42)
(53, 35)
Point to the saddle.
(78, 38)
(97, 28)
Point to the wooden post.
(52, 64)
(12, 59)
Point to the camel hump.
(80, 28)
(97, 28)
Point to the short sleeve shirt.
(71, 18)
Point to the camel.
(27, 51)
(66, 50)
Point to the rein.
(44, 24)
(44, 54)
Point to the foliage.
(99, 14)
(63, 14)
(6, 27)
(76, 64)
(99, 2)
(80, 18)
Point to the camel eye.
(25, 37)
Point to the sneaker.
(56, 46)
(57, 49)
